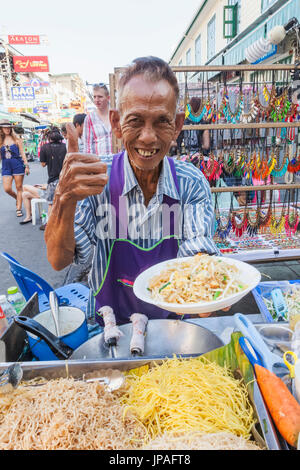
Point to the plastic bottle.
(3, 321)
(44, 218)
(7, 308)
(16, 299)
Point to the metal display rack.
(252, 256)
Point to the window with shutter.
(198, 50)
(211, 38)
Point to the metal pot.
(73, 327)
(163, 338)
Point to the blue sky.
(92, 37)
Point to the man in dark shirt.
(52, 155)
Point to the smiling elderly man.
(137, 208)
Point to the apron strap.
(173, 171)
(116, 185)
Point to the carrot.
(283, 407)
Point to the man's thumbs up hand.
(82, 174)
(72, 138)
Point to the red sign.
(31, 63)
(17, 39)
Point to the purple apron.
(127, 260)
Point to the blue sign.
(272, 52)
(40, 109)
(19, 93)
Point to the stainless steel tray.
(77, 368)
(12, 342)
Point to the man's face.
(148, 121)
(101, 99)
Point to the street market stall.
(183, 383)
(251, 418)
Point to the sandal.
(19, 213)
(23, 222)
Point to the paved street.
(24, 242)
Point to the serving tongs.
(111, 379)
(10, 378)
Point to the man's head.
(64, 131)
(146, 118)
(101, 97)
(55, 136)
(78, 121)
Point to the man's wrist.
(63, 200)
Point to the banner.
(21, 39)
(31, 63)
(22, 93)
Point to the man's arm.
(82, 176)
(87, 136)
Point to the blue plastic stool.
(74, 295)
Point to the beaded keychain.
(223, 230)
(292, 218)
(276, 226)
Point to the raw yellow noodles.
(190, 395)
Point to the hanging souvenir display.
(251, 156)
(292, 217)
(277, 225)
(223, 224)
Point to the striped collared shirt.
(145, 227)
(97, 139)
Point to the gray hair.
(153, 68)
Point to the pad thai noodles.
(202, 278)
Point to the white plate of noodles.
(196, 284)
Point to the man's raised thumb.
(72, 138)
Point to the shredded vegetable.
(203, 278)
(292, 299)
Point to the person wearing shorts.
(52, 155)
(14, 163)
(30, 192)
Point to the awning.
(30, 117)
(236, 54)
(11, 117)
(21, 120)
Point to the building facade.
(221, 31)
(70, 96)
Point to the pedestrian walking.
(52, 155)
(78, 123)
(14, 163)
(63, 131)
(97, 136)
